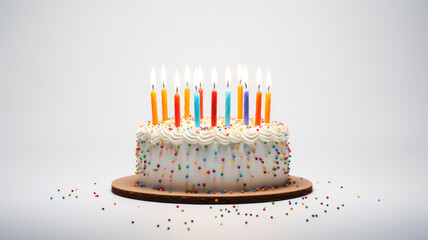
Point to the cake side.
(235, 158)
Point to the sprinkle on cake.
(209, 159)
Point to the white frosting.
(212, 167)
(206, 159)
(167, 132)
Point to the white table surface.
(349, 78)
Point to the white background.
(349, 79)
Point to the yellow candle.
(186, 102)
(154, 108)
(267, 107)
(267, 98)
(164, 96)
(187, 94)
(240, 92)
(153, 99)
(164, 105)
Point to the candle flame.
(259, 78)
(177, 80)
(214, 77)
(187, 75)
(153, 78)
(196, 78)
(228, 75)
(163, 76)
(245, 76)
(201, 76)
(240, 73)
(268, 80)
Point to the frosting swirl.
(187, 133)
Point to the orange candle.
(153, 100)
(267, 98)
(201, 92)
(258, 98)
(240, 92)
(267, 107)
(177, 101)
(258, 107)
(186, 102)
(164, 96)
(187, 94)
(164, 105)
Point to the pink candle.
(177, 101)
(214, 100)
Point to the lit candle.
(201, 91)
(240, 91)
(246, 98)
(163, 92)
(187, 93)
(177, 100)
(258, 98)
(214, 99)
(197, 100)
(227, 103)
(267, 97)
(153, 98)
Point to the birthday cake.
(207, 159)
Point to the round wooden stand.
(126, 187)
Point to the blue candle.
(227, 105)
(246, 105)
(197, 114)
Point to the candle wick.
(163, 84)
(258, 86)
(153, 87)
(214, 85)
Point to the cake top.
(187, 133)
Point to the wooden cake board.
(126, 187)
